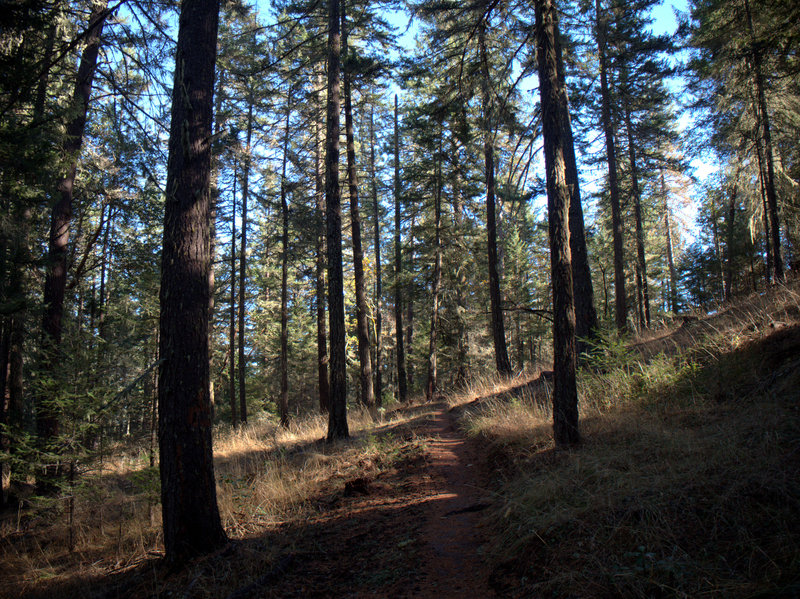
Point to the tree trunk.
(765, 224)
(191, 518)
(762, 177)
(14, 337)
(431, 385)
(243, 267)
(495, 296)
(621, 307)
(337, 418)
(585, 312)
(718, 252)
(215, 166)
(362, 324)
(639, 300)
(673, 278)
(18, 258)
(772, 199)
(322, 339)
(641, 257)
(603, 271)
(104, 270)
(283, 403)
(553, 100)
(729, 245)
(461, 281)
(5, 442)
(378, 390)
(410, 294)
(47, 416)
(232, 330)
(398, 270)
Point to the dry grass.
(265, 476)
(493, 385)
(685, 485)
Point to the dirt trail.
(414, 532)
(454, 566)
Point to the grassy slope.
(686, 484)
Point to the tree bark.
(283, 403)
(232, 329)
(637, 212)
(398, 270)
(431, 385)
(5, 442)
(362, 324)
(762, 178)
(243, 266)
(585, 312)
(553, 100)
(191, 520)
(13, 339)
(337, 417)
(718, 253)
(47, 416)
(495, 296)
(104, 273)
(461, 281)
(215, 166)
(409, 299)
(378, 390)
(620, 300)
(673, 277)
(772, 199)
(322, 338)
(729, 245)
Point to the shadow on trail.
(360, 538)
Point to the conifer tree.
(553, 99)
(337, 420)
(602, 18)
(362, 327)
(47, 419)
(495, 296)
(398, 270)
(191, 519)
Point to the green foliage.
(615, 374)
(147, 482)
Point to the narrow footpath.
(413, 532)
(453, 564)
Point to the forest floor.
(685, 485)
(411, 531)
(409, 528)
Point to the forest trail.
(454, 566)
(413, 531)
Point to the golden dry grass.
(265, 475)
(685, 484)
